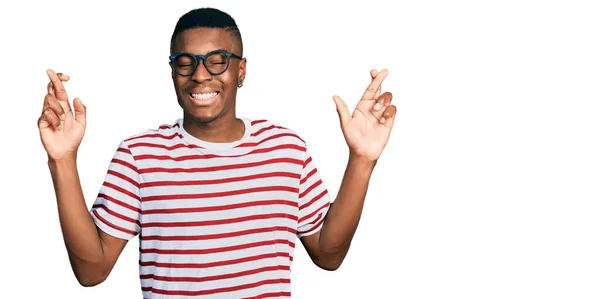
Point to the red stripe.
(220, 221)
(215, 277)
(219, 249)
(115, 214)
(262, 130)
(318, 221)
(310, 188)
(156, 135)
(222, 236)
(223, 180)
(251, 144)
(307, 161)
(167, 147)
(211, 156)
(124, 177)
(271, 295)
(116, 201)
(304, 206)
(222, 167)
(126, 164)
(122, 190)
(326, 205)
(124, 150)
(222, 208)
(258, 121)
(113, 225)
(214, 291)
(221, 194)
(172, 147)
(165, 126)
(214, 264)
(311, 173)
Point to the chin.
(203, 118)
(203, 115)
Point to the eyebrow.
(205, 52)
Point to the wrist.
(362, 161)
(65, 160)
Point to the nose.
(201, 74)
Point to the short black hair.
(209, 18)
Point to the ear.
(242, 70)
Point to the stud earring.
(241, 84)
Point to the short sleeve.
(313, 199)
(116, 210)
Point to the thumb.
(79, 110)
(342, 110)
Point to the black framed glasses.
(215, 62)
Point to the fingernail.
(62, 116)
(382, 120)
(377, 107)
(60, 127)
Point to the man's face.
(202, 96)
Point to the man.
(218, 201)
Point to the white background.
(488, 187)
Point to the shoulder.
(263, 129)
(159, 134)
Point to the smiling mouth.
(204, 96)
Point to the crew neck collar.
(215, 145)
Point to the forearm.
(344, 214)
(80, 234)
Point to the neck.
(224, 129)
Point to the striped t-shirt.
(214, 219)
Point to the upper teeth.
(204, 96)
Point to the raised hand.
(368, 129)
(61, 130)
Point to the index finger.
(59, 88)
(374, 86)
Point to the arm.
(329, 246)
(92, 253)
(366, 132)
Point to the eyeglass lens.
(216, 63)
